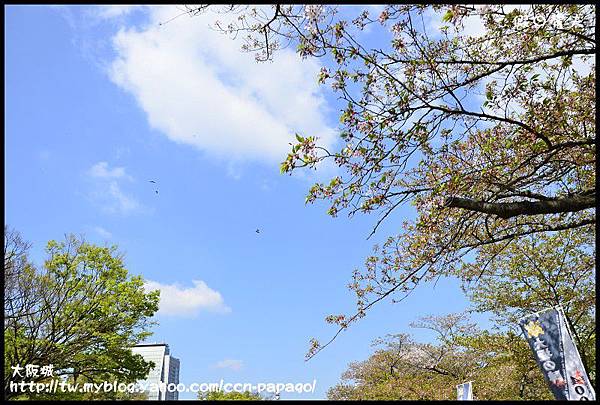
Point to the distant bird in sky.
(153, 182)
(257, 230)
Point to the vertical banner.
(549, 336)
(464, 391)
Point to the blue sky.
(99, 101)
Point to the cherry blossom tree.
(490, 135)
(498, 364)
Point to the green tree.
(81, 312)
(229, 396)
(499, 365)
(507, 369)
(540, 271)
(490, 136)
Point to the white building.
(165, 371)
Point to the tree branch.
(513, 209)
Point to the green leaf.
(448, 16)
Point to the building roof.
(150, 344)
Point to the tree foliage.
(489, 135)
(229, 396)
(80, 312)
(539, 272)
(499, 364)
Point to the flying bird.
(257, 230)
(153, 182)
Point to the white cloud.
(114, 11)
(102, 171)
(198, 88)
(234, 170)
(473, 26)
(123, 203)
(235, 365)
(187, 301)
(102, 232)
(108, 192)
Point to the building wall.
(165, 370)
(172, 376)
